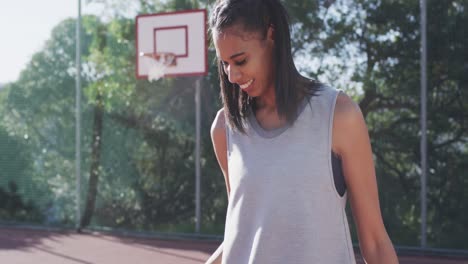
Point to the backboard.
(181, 33)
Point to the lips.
(245, 85)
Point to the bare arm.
(351, 142)
(218, 137)
(216, 257)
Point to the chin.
(252, 94)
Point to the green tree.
(378, 43)
(37, 107)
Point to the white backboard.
(182, 33)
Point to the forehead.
(234, 40)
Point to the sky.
(25, 25)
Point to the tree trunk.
(95, 161)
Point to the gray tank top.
(283, 205)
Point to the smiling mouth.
(245, 85)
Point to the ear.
(271, 33)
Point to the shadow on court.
(18, 239)
(37, 246)
(19, 245)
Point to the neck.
(267, 101)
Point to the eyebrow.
(237, 55)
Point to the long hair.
(258, 16)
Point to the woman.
(291, 151)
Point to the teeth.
(245, 85)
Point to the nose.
(234, 74)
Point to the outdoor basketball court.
(23, 246)
(167, 45)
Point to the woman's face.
(247, 59)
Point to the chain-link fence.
(137, 137)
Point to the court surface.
(23, 246)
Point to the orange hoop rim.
(167, 58)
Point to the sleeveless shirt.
(283, 206)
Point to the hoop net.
(158, 64)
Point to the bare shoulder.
(218, 127)
(346, 110)
(348, 122)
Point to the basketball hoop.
(158, 38)
(158, 63)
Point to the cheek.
(264, 69)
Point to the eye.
(240, 63)
(237, 63)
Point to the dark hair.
(290, 86)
